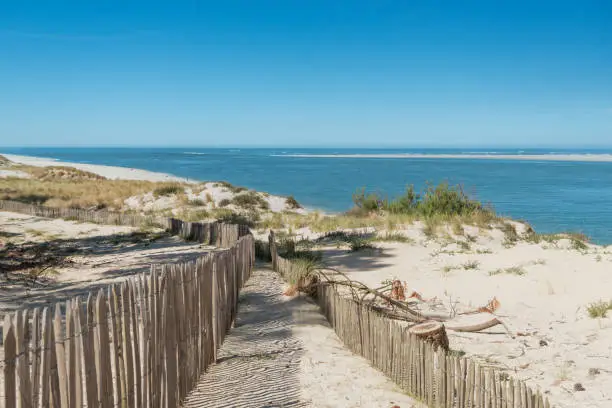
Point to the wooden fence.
(77, 214)
(141, 343)
(435, 377)
(211, 233)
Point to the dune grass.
(599, 309)
(77, 193)
(513, 270)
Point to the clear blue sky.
(341, 73)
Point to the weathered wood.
(35, 357)
(117, 347)
(10, 355)
(60, 359)
(126, 348)
(45, 370)
(89, 347)
(69, 349)
(77, 308)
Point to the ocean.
(553, 196)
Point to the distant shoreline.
(518, 157)
(110, 172)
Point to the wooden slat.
(89, 349)
(47, 346)
(116, 347)
(35, 357)
(136, 345)
(77, 308)
(10, 354)
(126, 335)
(69, 349)
(103, 366)
(60, 360)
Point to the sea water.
(553, 196)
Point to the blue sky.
(306, 73)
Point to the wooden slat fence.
(435, 377)
(141, 343)
(210, 233)
(77, 214)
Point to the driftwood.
(475, 327)
(432, 332)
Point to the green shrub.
(225, 202)
(168, 190)
(599, 309)
(292, 203)
(229, 217)
(471, 265)
(230, 187)
(250, 200)
(196, 202)
(432, 201)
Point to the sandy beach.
(110, 172)
(544, 290)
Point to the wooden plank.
(45, 370)
(136, 345)
(215, 311)
(69, 349)
(60, 359)
(78, 352)
(117, 347)
(170, 320)
(35, 357)
(89, 347)
(10, 355)
(102, 353)
(21, 363)
(127, 345)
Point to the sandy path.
(282, 353)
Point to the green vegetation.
(393, 237)
(196, 202)
(230, 187)
(228, 216)
(577, 240)
(168, 190)
(292, 203)
(250, 200)
(513, 270)
(225, 202)
(599, 309)
(432, 202)
(471, 265)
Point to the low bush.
(599, 309)
(250, 200)
(168, 190)
(292, 203)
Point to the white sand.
(536, 157)
(547, 304)
(13, 173)
(110, 172)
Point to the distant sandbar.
(522, 157)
